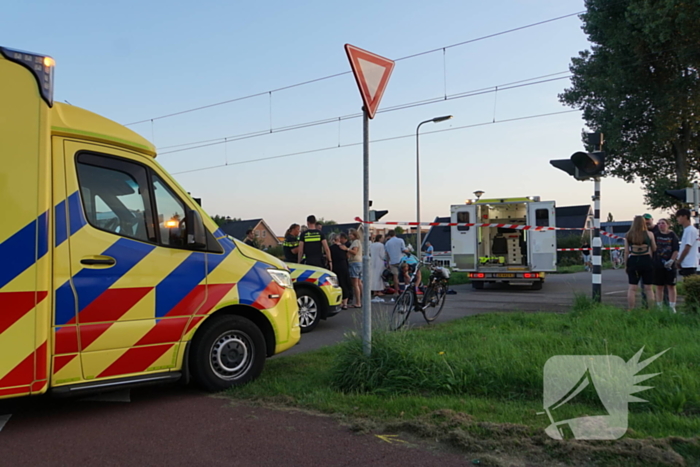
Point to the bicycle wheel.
(434, 300)
(402, 310)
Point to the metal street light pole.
(432, 120)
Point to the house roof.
(439, 236)
(573, 217)
(237, 229)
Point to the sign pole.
(366, 302)
(596, 277)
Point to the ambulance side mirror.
(196, 235)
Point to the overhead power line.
(392, 138)
(461, 95)
(303, 83)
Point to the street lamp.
(432, 120)
(478, 194)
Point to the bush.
(691, 288)
(276, 251)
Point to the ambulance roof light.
(41, 66)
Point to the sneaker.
(378, 300)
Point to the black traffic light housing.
(584, 165)
(685, 195)
(374, 216)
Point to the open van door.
(542, 252)
(464, 254)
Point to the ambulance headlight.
(283, 278)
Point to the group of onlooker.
(654, 255)
(342, 254)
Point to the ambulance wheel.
(478, 285)
(227, 351)
(309, 309)
(537, 285)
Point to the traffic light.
(374, 216)
(685, 195)
(582, 165)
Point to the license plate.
(505, 275)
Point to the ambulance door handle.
(98, 261)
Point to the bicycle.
(433, 298)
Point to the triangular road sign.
(372, 74)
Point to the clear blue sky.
(132, 61)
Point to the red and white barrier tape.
(465, 224)
(588, 249)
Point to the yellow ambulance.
(111, 275)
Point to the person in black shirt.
(313, 245)
(667, 246)
(250, 238)
(339, 258)
(291, 243)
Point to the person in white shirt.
(395, 249)
(687, 260)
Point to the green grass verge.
(487, 369)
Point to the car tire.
(310, 309)
(477, 285)
(227, 351)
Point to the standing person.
(313, 245)
(429, 252)
(339, 258)
(355, 264)
(639, 248)
(687, 260)
(586, 254)
(291, 243)
(250, 238)
(377, 254)
(654, 229)
(664, 260)
(395, 248)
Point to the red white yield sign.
(372, 74)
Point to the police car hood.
(259, 255)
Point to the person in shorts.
(639, 249)
(408, 266)
(667, 246)
(355, 265)
(395, 249)
(687, 261)
(586, 255)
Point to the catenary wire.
(391, 138)
(315, 80)
(227, 139)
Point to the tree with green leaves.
(323, 221)
(640, 86)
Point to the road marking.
(3, 420)
(116, 396)
(390, 438)
(617, 291)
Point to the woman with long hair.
(355, 264)
(639, 250)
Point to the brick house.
(263, 233)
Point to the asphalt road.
(556, 295)
(173, 426)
